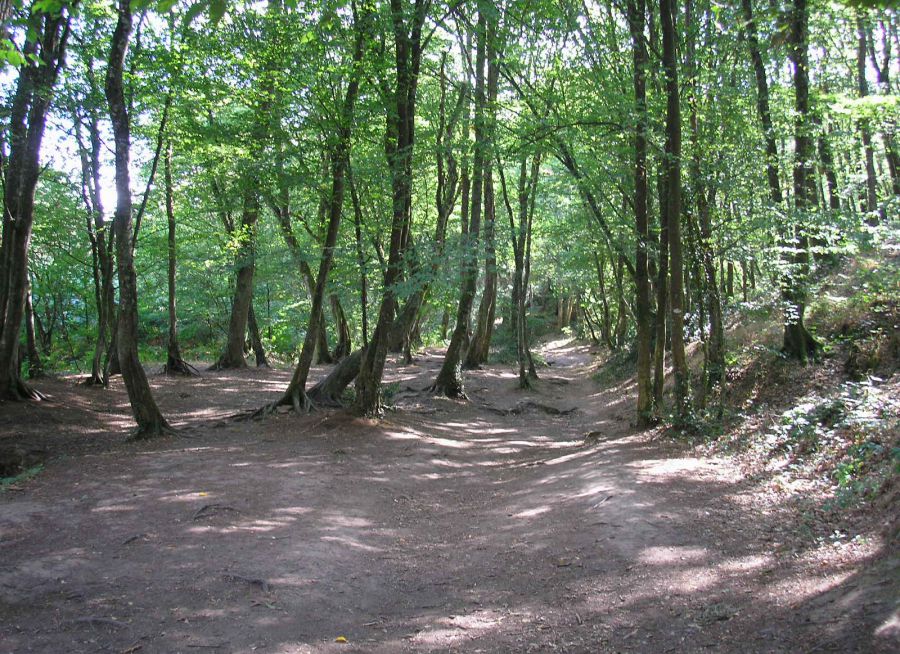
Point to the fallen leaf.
(340, 639)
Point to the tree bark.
(400, 143)
(295, 394)
(245, 262)
(798, 342)
(872, 214)
(150, 421)
(175, 365)
(636, 20)
(449, 381)
(44, 49)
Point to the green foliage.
(7, 482)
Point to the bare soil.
(488, 526)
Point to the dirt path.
(482, 527)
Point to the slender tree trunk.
(245, 262)
(636, 22)
(479, 348)
(798, 342)
(408, 55)
(175, 365)
(150, 421)
(449, 381)
(344, 344)
(872, 214)
(259, 351)
(35, 367)
(360, 257)
(673, 211)
(295, 394)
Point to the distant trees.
(498, 159)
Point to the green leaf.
(193, 11)
(217, 10)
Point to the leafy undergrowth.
(825, 437)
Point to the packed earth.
(520, 521)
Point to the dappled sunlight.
(351, 542)
(672, 555)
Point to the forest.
(450, 325)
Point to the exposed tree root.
(180, 367)
(453, 391)
(527, 405)
(149, 432)
(94, 380)
(296, 399)
(225, 364)
(19, 391)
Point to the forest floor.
(488, 526)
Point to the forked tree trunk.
(400, 144)
(44, 48)
(256, 344)
(150, 421)
(245, 262)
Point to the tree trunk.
(360, 257)
(865, 129)
(400, 143)
(35, 367)
(449, 381)
(175, 365)
(798, 342)
(480, 347)
(150, 421)
(295, 394)
(259, 352)
(636, 19)
(344, 344)
(245, 262)
(673, 211)
(44, 48)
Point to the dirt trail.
(445, 527)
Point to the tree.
(44, 50)
(149, 419)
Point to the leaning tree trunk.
(295, 395)
(44, 48)
(150, 421)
